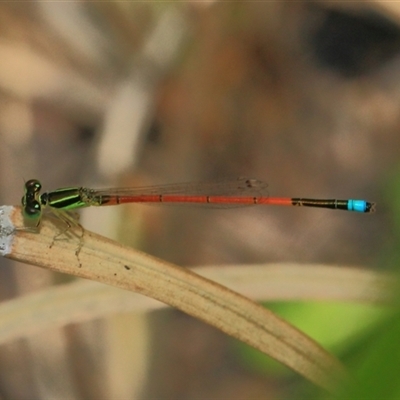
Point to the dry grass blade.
(108, 262)
(299, 282)
(84, 300)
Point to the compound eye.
(33, 185)
(33, 209)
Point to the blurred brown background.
(302, 95)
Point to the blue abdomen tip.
(357, 205)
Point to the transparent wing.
(241, 187)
